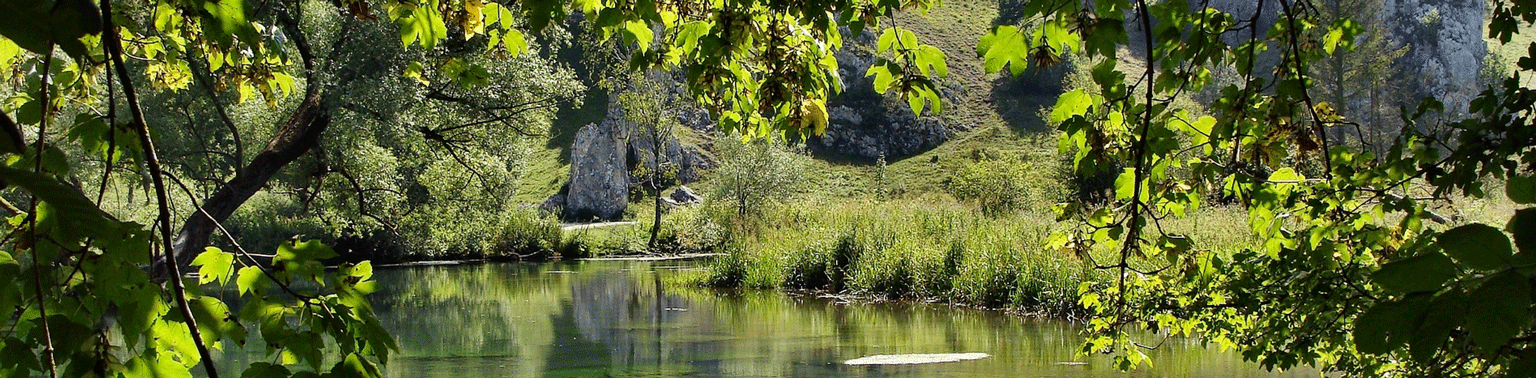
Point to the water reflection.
(613, 318)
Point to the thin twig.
(114, 48)
(37, 259)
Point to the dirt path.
(584, 226)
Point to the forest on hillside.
(1343, 185)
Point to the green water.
(616, 318)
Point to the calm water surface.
(617, 318)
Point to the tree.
(645, 107)
(1349, 278)
(1359, 79)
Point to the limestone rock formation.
(599, 186)
(1446, 47)
(603, 161)
(866, 124)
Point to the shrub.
(729, 269)
(809, 268)
(693, 228)
(754, 175)
(1000, 186)
(268, 219)
(525, 234)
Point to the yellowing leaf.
(414, 71)
(8, 50)
(813, 115)
(472, 21)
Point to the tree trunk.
(300, 134)
(656, 221)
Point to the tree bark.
(300, 134)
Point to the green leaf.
(174, 337)
(354, 366)
(214, 265)
(294, 250)
(1426, 272)
(1446, 312)
(515, 43)
(265, 370)
(1389, 325)
(1073, 103)
(421, 23)
(414, 72)
(251, 280)
(1477, 245)
(1523, 227)
(1125, 184)
(884, 76)
(215, 321)
(34, 25)
(226, 19)
(1521, 189)
(886, 42)
(77, 217)
(1004, 46)
(18, 355)
(689, 34)
(541, 12)
(640, 33)
(169, 368)
(1497, 311)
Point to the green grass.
(549, 165)
(1510, 53)
(898, 250)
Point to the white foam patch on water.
(914, 359)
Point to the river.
(617, 319)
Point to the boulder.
(599, 186)
(684, 195)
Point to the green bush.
(527, 235)
(1002, 186)
(755, 175)
(809, 268)
(693, 229)
(268, 219)
(728, 270)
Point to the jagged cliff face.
(1445, 40)
(1446, 47)
(867, 125)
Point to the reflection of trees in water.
(632, 313)
(471, 311)
(611, 318)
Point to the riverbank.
(910, 250)
(895, 251)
